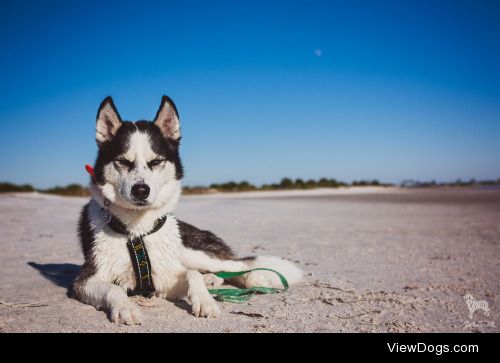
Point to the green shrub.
(72, 190)
(10, 188)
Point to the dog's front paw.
(257, 279)
(212, 281)
(128, 314)
(147, 302)
(205, 306)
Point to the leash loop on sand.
(236, 295)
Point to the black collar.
(138, 253)
(119, 227)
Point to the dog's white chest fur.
(114, 264)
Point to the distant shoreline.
(314, 193)
(286, 184)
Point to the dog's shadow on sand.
(60, 274)
(64, 274)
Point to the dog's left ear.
(167, 119)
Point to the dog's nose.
(140, 191)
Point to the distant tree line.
(9, 187)
(457, 183)
(231, 186)
(69, 190)
(73, 190)
(287, 183)
(245, 186)
(284, 184)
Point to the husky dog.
(131, 242)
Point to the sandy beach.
(375, 260)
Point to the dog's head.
(468, 296)
(138, 164)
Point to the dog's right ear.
(108, 121)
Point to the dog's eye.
(155, 162)
(125, 163)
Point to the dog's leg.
(257, 278)
(203, 304)
(471, 309)
(261, 278)
(199, 260)
(110, 297)
(212, 281)
(483, 305)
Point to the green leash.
(243, 295)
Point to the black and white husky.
(135, 187)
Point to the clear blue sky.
(351, 89)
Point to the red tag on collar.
(90, 170)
